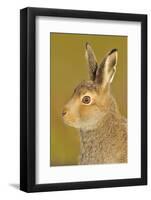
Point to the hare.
(94, 112)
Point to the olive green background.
(68, 68)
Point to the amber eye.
(86, 99)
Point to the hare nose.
(64, 112)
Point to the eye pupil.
(86, 99)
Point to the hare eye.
(86, 99)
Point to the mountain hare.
(93, 110)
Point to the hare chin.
(72, 124)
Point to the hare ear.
(107, 68)
(92, 62)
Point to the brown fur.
(107, 143)
(103, 131)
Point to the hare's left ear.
(91, 60)
(106, 70)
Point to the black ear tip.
(113, 50)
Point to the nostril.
(64, 113)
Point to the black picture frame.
(28, 99)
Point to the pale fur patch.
(92, 123)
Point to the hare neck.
(107, 121)
(90, 132)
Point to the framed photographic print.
(83, 99)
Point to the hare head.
(91, 99)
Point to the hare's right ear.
(92, 62)
(106, 70)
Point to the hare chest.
(104, 146)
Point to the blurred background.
(68, 68)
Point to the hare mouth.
(71, 122)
